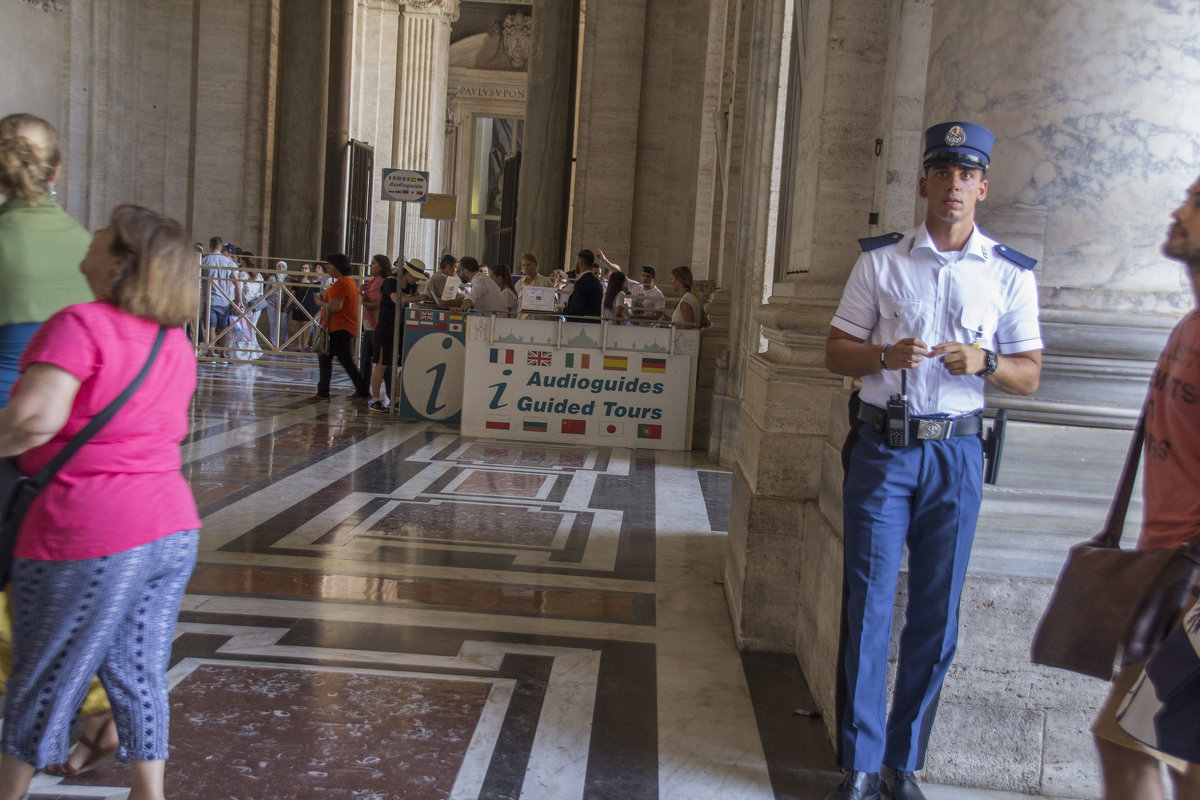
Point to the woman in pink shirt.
(105, 552)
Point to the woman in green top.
(40, 246)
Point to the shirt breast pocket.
(899, 318)
(979, 325)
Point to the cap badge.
(955, 136)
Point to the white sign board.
(536, 381)
(537, 298)
(404, 185)
(450, 291)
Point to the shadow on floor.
(799, 755)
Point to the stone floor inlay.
(387, 610)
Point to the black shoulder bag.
(17, 491)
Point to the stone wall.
(166, 104)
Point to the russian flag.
(534, 426)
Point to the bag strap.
(1111, 535)
(46, 473)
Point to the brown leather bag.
(1112, 605)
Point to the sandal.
(96, 754)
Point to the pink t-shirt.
(372, 290)
(124, 488)
(1171, 461)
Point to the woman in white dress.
(243, 340)
(687, 313)
(502, 275)
(613, 306)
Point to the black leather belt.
(928, 428)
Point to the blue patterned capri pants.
(113, 616)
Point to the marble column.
(419, 141)
(302, 117)
(544, 190)
(337, 131)
(373, 97)
(725, 262)
(784, 565)
(1096, 143)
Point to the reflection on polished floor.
(385, 609)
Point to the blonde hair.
(29, 156)
(160, 281)
(684, 274)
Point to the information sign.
(580, 383)
(404, 185)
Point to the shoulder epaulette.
(1015, 256)
(876, 242)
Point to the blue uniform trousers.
(927, 496)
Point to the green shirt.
(40, 251)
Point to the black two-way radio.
(896, 423)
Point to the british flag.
(426, 319)
(538, 358)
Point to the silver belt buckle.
(935, 429)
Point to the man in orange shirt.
(340, 306)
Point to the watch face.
(993, 361)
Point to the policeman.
(927, 318)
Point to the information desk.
(433, 353)
(553, 381)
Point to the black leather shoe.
(901, 785)
(857, 786)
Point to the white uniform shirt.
(485, 294)
(909, 289)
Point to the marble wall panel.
(35, 46)
(610, 104)
(1092, 124)
(669, 138)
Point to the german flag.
(654, 365)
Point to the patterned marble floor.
(385, 609)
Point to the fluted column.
(1093, 124)
(420, 113)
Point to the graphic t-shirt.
(1171, 460)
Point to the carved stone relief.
(447, 7)
(49, 5)
(518, 38)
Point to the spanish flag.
(617, 363)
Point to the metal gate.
(360, 168)
(508, 211)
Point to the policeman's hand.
(961, 359)
(906, 354)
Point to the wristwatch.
(991, 363)
(882, 359)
